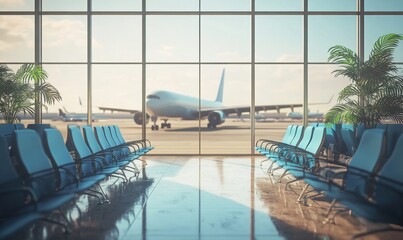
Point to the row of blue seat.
(371, 185)
(39, 175)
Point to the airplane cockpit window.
(153, 97)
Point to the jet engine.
(138, 118)
(215, 118)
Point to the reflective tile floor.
(202, 198)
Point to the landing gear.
(165, 124)
(154, 126)
(210, 125)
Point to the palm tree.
(19, 91)
(375, 92)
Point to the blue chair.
(13, 196)
(306, 159)
(287, 153)
(7, 131)
(146, 145)
(369, 154)
(38, 172)
(74, 176)
(39, 128)
(349, 140)
(75, 143)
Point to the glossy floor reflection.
(201, 198)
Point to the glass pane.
(384, 5)
(172, 38)
(229, 132)
(71, 82)
(279, 5)
(13, 5)
(226, 38)
(173, 100)
(17, 38)
(325, 32)
(64, 38)
(117, 86)
(225, 5)
(172, 5)
(332, 5)
(112, 42)
(64, 5)
(376, 26)
(116, 5)
(277, 85)
(318, 95)
(286, 46)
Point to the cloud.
(16, 31)
(64, 32)
(12, 2)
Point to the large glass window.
(108, 57)
(279, 5)
(12, 5)
(175, 130)
(278, 39)
(278, 93)
(225, 39)
(116, 5)
(232, 132)
(64, 38)
(325, 32)
(377, 26)
(172, 38)
(113, 43)
(16, 38)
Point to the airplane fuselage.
(173, 105)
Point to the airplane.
(65, 116)
(166, 104)
(298, 115)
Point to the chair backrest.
(7, 131)
(119, 134)
(369, 154)
(39, 128)
(18, 126)
(90, 139)
(287, 134)
(306, 138)
(349, 140)
(108, 136)
(113, 134)
(393, 132)
(59, 155)
(9, 179)
(76, 143)
(317, 141)
(100, 134)
(297, 136)
(389, 194)
(38, 167)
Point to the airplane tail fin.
(61, 113)
(221, 88)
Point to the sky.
(173, 39)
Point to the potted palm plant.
(375, 92)
(19, 90)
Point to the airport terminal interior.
(201, 119)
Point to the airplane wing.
(239, 110)
(118, 110)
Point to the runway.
(233, 137)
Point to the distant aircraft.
(165, 104)
(65, 116)
(298, 115)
